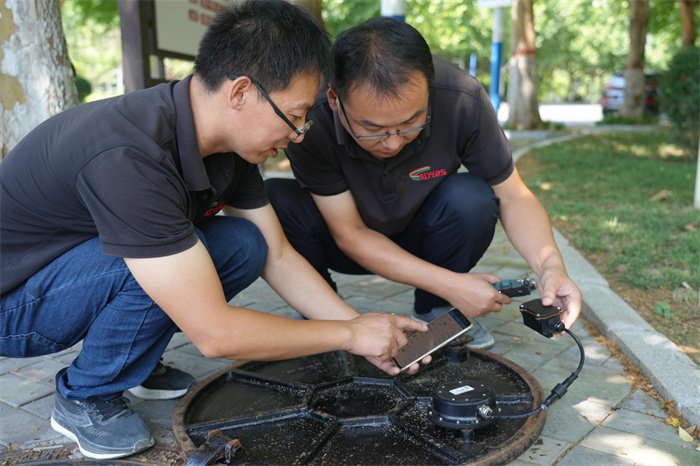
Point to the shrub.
(680, 93)
(84, 88)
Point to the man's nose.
(392, 142)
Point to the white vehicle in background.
(614, 92)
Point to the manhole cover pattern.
(338, 408)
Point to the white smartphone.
(440, 332)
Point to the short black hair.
(266, 40)
(380, 53)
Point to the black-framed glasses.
(297, 131)
(381, 137)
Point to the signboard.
(180, 24)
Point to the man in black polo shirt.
(109, 233)
(380, 189)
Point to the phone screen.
(440, 332)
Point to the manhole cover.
(337, 408)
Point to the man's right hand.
(475, 295)
(379, 337)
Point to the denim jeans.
(452, 229)
(86, 295)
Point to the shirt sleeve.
(486, 152)
(139, 205)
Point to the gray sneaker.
(103, 429)
(164, 383)
(482, 339)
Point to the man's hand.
(556, 288)
(379, 337)
(475, 295)
(391, 368)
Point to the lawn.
(624, 200)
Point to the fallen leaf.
(685, 436)
(661, 195)
(691, 429)
(692, 226)
(673, 421)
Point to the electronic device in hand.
(440, 332)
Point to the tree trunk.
(36, 79)
(523, 105)
(688, 22)
(633, 101)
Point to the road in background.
(570, 114)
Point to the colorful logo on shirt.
(214, 208)
(426, 173)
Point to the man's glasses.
(381, 137)
(297, 131)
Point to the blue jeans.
(86, 295)
(452, 229)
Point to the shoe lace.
(108, 409)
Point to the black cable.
(559, 390)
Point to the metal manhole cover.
(337, 408)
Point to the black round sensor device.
(463, 404)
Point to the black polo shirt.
(463, 131)
(127, 169)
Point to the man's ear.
(238, 90)
(332, 98)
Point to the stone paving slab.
(600, 420)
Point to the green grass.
(614, 118)
(598, 191)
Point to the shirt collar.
(193, 170)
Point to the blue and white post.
(496, 46)
(394, 9)
(496, 49)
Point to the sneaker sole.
(482, 346)
(149, 394)
(100, 456)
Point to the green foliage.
(92, 33)
(104, 12)
(339, 15)
(614, 118)
(662, 308)
(580, 43)
(454, 29)
(680, 92)
(84, 88)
